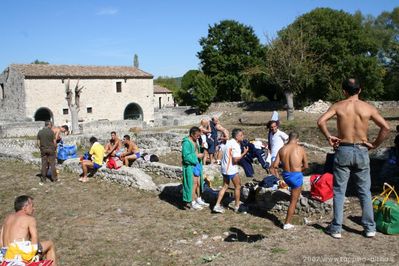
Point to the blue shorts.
(96, 166)
(197, 169)
(137, 155)
(229, 177)
(293, 179)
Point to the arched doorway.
(133, 111)
(44, 114)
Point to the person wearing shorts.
(97, 152)
(19, 238)
(292, 158)
(132, 151)
(229, 168)
(293, 179)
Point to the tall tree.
(229, 49)
(386, 31)
(203, 92)
(74, 104)
(289, 65)
(346, 47)
(136, 61)
(185, 94)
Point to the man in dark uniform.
(47, 144)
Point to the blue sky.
(164, 33)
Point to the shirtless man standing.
(58, 130)
(351, 155)
(294, 160)
(132, 151)
(20, 227)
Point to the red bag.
(114, 163)
(321, 187)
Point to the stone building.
(162, 97)
(34, 92)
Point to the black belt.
(352, 144)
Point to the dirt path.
(102, 224)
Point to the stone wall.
(125, 176)
(105, 126)
(12, 96)
(277, 201)
(169, 171)
(20, 129)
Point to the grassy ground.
(102, 224)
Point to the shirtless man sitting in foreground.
(351, 155)
(21, 227)
(294, 160)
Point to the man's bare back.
(18, 227)
(293, 158)
(21, 226)
(353, 117)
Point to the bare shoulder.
(368, 106)
(28, 219)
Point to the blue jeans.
(352, 160)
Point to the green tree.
(136, 61)
(184, 94)
(289, 65)
(203, 92)
(345, 48)
(228, 50)
(38, 62)
(385, 29)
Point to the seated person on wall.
(58, 130)
(132, 151)
(97, 156)
(113, 146)
(19, 239)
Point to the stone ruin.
(318, 107)
(163, 142)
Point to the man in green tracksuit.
(192, 170)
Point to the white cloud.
(107, 11)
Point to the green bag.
(386, 212)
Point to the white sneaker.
(196, 206)
(370, 234)
(218, 209)
(202, 203)
(288, 226)
(241, 209)
(334, 235)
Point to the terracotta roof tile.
(159, 89)
(78, 71)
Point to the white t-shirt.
(277, 142)
(231, 150)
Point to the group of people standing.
(351, 147)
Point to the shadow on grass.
(173, 196)
(237, 235)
